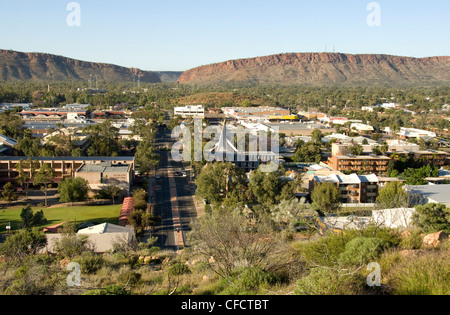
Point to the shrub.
(324, 251)
(413, 241)
(109, 290)
(129, 277)
(178, 269)
(432, 218)
(90, 262)
(423, 275)
(361, 250)
(324, 281)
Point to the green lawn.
(98, 214)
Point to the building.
(13, 106)
(394, 218)
(195, 111)
(248, 160)
(312, 115)
(54, 114)
(6, 144)
(354, 188)
(362, 128)
(101, 237)
(412, 133)
(431, 157)
(260, 113)
(63, 167)
(104, 174)
(360, 164)
(432, 193)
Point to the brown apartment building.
(63, 167)
(354, 188)
(377, 165)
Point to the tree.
(140, 199)
(308, 152)
(30, 219)
(24, 243)
(393, 196)
(317, 137)
(141, 220)
(217, 181)
(73, 190)
(113, 191)
(432, 218)
(418, 176)
(326, 198)
(24, 177)
(146, 158)
(104, 139)
(9, 193)
(43, 178)
(234, 244)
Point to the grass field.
(97, 214)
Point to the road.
(173, 197)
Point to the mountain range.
(323, 69)
(315, 69)
(46, 67)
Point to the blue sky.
(181, 34)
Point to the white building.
(195, 111)
(407, 133)
(362, 127)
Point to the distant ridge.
(324, 69)
(46, 67)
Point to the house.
(101, 238)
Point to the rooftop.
(105, 228)
(102, 168)
(435, 193)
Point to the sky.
(177, 35)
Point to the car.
(158, 176)
(184, 174)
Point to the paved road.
(167, 202)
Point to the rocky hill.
(45, 67)
(324, 69)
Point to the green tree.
(432, 218)
(43, 178)
(73, 190)
(23, 243)
(418, 176)
(218, 180)
(113, 191)
(392, 196)
(9, 192)
(326, 198)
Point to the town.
(110, 176)
(239, 156)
